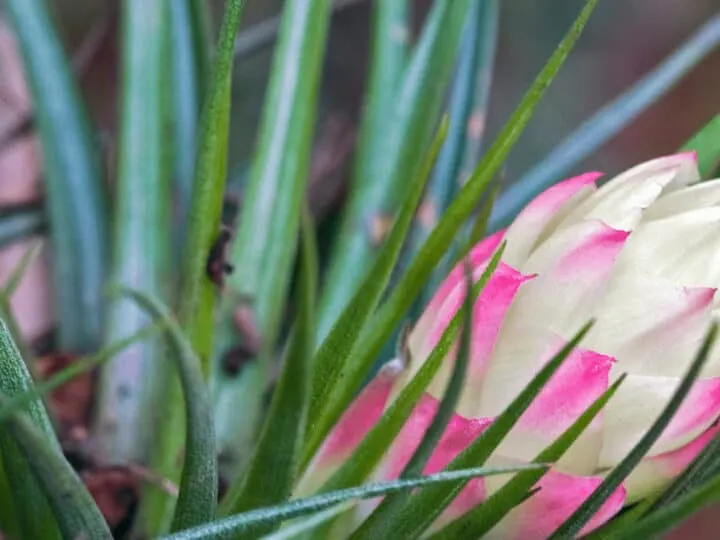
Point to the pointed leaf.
(197, 496)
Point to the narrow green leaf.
(387, 61)
(188, 66)
(674, 513)
(346, 332)
(392, 147)
(468, 111)
(480, 520)
(20, 223)
(397, 305)
(274, 466)
(131, 383)
(197, 293)
(592, 504)
(304, 526)
(6, 312)
(378, 524)
(73, 177)
(264, 247)
(606, 123)
(249, 522)
(33, 513)
(16, 402)
(72, 506)
(427, 505)
(15, 277)
(197, 496)
(706, 142)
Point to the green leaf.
(264, 247)
(301, 527)
(73, 177)
(72, 506)
(674, 513)
(197, 293)
(392, 144)
(592, 504)
(378, 524)
(188, 65)
(131, 384)
(250, 522)
(606, 123)
(427, 505)
(480, 520)
(706, 143)
(197, 496)
(274, 466)
(34, 512)
(394, 309)
(6, 312)
(468, 103)
(345, 333)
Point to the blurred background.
(623, 42)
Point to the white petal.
(621, 202)
(650, 325)
(694, 197)
(638, 403)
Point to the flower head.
(640, 255)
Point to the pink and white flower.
(641, 255)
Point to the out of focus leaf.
(706, 143)
(73, 177)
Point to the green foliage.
(76, 204)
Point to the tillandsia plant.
(556, 373)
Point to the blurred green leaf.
(468, 103)
(196, 296)
(6, 312)
(706, 142)
(33, 512)
(132, 383)
(264, 247)
(197, 496)
(606, 123)
(481, 519)
(592, 504)
(274, 466)
(345, 333)
(394, 309)
(249, 522)
(429, 503)
(189, 57)
(396, 131)
(378, 524)
(73, 177)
